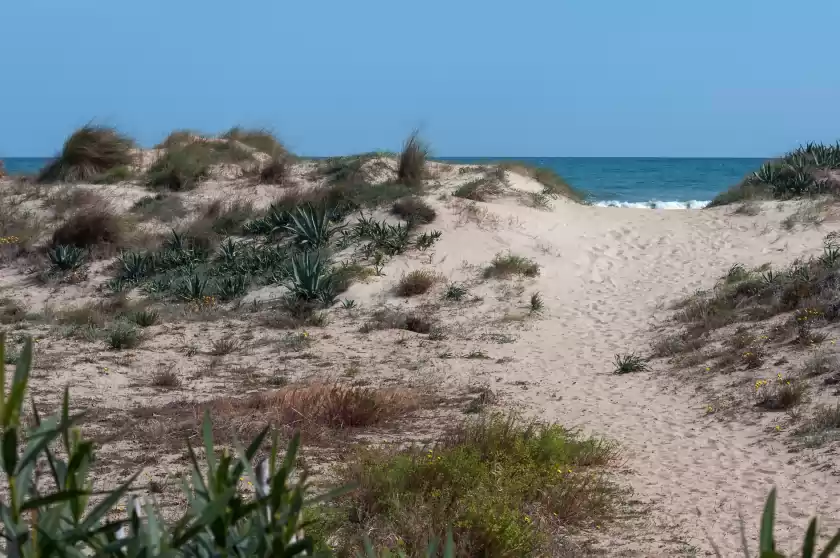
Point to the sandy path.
(605, 276)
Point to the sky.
(543, 78)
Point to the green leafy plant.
(456, 292)
(192, 288)
(232, 286)
(629, 362)
(122, 336)
(311, 279)
(145, 318)
(311, 227)
(66, 258)
(427, 240)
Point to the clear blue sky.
(527, 78)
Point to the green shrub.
(311, 279)
(311, 227)
(66, 258)
(122, 336)
(181, 167)
(506, 488)
(114, 175)
(90, 151)
(411, 168)
(629, 362)
(507, 265)
(145, 318)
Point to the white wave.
(655, 204)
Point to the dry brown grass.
(411, 169)
(320, 410)
(414, 210)
(88, 152)
(276, 172)
(89, 228)
(416, 282)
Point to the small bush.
(629, 362)
(166, 378)
(411, 169)
(260, 139)
(276, 172)
(145, 318)
(506, 487)
(162, 206)
(89, 151)
(480, 189)
(416, 282)
(780, 393)
(537, 304)
(456, 292)
(414, 210)
(180, 167)
(90, 228)
(507, 265)
(122, 336)
(228, 218)
(224, 346)
(389, 318)
(66, 258)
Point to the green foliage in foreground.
(502, 487)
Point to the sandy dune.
(607, 276)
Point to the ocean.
(609, 181)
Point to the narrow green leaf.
(333, 494)
(810, 543)
(42, 501)
(766, 540)
(2, 376)
(11, 412)
(10, 450)
(832, 545)
(207, 433)
(449, 547)
(103, 507)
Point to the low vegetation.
(628, 363)
(554, 186)
(481, 189)
(180, 167)
(413, 210)
(416, 282)
(259, 139)
(803, 172)
(506, 488)
(411, 166)
(86, 229)
(505, 266)
(90, 151)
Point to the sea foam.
(655, 204)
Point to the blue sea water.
(625, 182)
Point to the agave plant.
(192, 288)
(134, 266)
(311, 227)
(232, 286)
(830, 257)
(311, 279)
(66, 258)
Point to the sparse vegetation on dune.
(554, 185)
(90, 151)
(508, 265)
(181, 167)
(804, 172)
(90, 228)
(411, 167)
(260, 139)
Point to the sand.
(607, 277)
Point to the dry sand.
(607, 276)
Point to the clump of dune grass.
(90, 228)
(480, 190)
(821, 427)
(181, 167)
(89, 151)
(390, 318)
(163, 206)
(260, 139)
(167, 378)
(122, 336)
(629, 362)
(780, 393)
(414, 210)
(507, 487)
(416, 282)
(508, 265)
(177, 138)
(411, 168)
